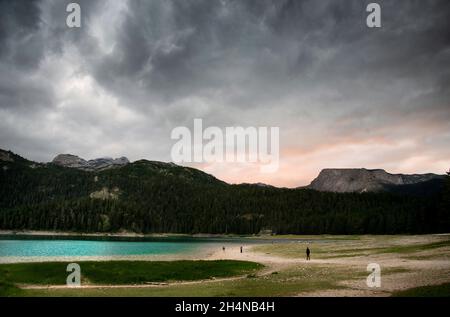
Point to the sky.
(343, 95)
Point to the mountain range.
(111, 195)
(340, 180)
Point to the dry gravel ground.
(409, 261)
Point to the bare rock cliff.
(363, 180)
(99, 164)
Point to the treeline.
(152, 197)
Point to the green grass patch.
(442, 290)
(289, 282)
(9, 289)
(124, 272)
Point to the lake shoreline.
(124, 234)
(198, 247)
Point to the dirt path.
(146, 285)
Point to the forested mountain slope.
(149, 197)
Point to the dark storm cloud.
(26, 32)
(29, 32)
(136, 69)
(175, 49)
(20, 42)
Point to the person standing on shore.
(308, 252)
(241, 249)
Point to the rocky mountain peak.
(69, 160)
(344, 180)
(73, 161)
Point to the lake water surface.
(60, 246)
(89, 248)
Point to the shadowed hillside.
(146, 196)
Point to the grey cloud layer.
(302, 65)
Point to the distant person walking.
(308, 252)
(241, 249)
(223, 248)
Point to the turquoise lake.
(54, 246)
(60, 246)
(90, 248)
